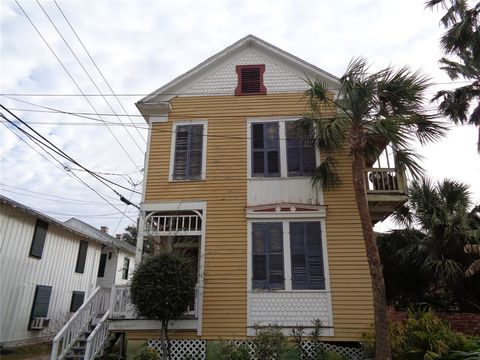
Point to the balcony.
(386, 186)
(123, 316)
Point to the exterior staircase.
(85, 335)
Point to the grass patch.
(25, 352)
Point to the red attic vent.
(250, 80)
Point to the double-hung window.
(188, 152)
(278, 150)
(267, 256)
(304, 254)
(265, 149)
(301, 160)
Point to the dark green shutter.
(267, 256)
(77, 300)
(306, 256)
(38, 241)
(188, 152)
(101, 267)
(41, 301)
(126, 266)
(82, 257)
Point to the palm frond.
(407, 161)
(473, 268)
(427, 130)
(325, 174)
(403, 216)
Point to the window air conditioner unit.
(39, 323)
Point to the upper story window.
(278, 151)
(189, 155)
(265, 149)
(38, 241)
(301, 158)
(250, 80)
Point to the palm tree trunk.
(382, 343)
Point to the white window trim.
(203, 122)
(283, 147)
(286, 251)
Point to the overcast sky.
(141, 45)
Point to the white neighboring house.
(48, 268)
(117, 260)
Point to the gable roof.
(76, 226)
(162, 95)
(100, 235)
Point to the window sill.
(256, 291)
(279, 177)
(186, 180)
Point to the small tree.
(162, 287)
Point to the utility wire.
(103, 196)
(50, 199)
(74, 81)
(75, 177)
(54, 196)
(87, 73)
(96, 66)
(61, 153)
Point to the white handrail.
(71, 331)
(97, 338)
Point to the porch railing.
(97, 338)
(121, 307)
(96, 304)
(385, 180)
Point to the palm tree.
(371, 111)
(440, 231)
(462, 41)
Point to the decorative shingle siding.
(277, 78)
(267, 308)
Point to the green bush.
(422, 336)
(228, 351)
(269, 343)
(146, 353)
(319, 352)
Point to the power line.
(86, 72)
(103, 196)
(45, 197)
(74, 81)
(61, 153)
(96, 66)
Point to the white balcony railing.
(384, 180)
(174, 224)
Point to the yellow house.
(227, 180)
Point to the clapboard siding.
(352, 298)
(225, 191)
(21, 274)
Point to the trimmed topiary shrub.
(162, 287)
